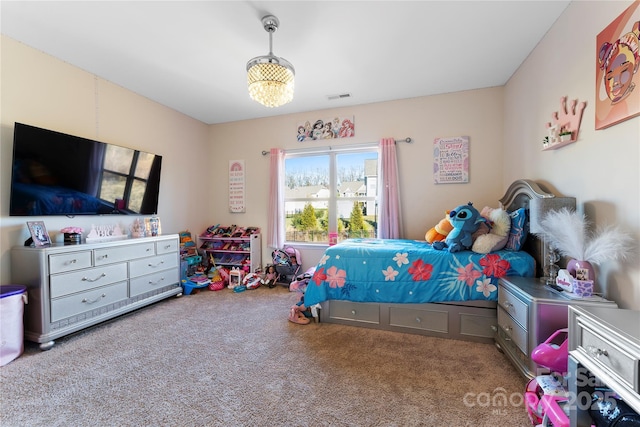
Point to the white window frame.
(332, 200)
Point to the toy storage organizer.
(243, 252)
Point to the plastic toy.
(270, 276)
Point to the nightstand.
(528, 313)
(604, 344)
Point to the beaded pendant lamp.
(270, 79)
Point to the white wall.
(43, 91)
(602, 168)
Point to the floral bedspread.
(410, 271)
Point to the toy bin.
(12, 301)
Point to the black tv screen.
(58, 174)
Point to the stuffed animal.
(440, 231)
(465, 220)
(496, 239)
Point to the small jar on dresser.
(529, 312)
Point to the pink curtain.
(275, 227)
(390, 221)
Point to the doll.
(270, 276)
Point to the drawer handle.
(148, 249)
(353, 312)
(95, 300)
(507, 304)
(71, 261)
(418, 320)
(597, 352)
(86, 279)
(105, 256)
(151, 282)
(167, 246)
(156, 265)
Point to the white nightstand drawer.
(513, 330)
(611, 356)
(124, 253)
(152, 265)
(69, 261)
(78, 281)
(516, 308)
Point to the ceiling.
(191, 55)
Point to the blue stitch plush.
(465, 220)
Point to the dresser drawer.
(612, 358)
(141, 285)
(513, 330)
(123, 253)
(77, 281)
(167, 246)
(428, 320)
(516, 308)
(72, 305)
(69, 261)
(359, 312)
(154, 264)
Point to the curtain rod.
(407, 140)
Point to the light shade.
(539, 207)
(270, 80)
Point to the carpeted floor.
(227, 359)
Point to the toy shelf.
(244, 251)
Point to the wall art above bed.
(451, 160)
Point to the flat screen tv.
(58, 174)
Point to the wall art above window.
(337, 127)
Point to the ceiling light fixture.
(270, 79)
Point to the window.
(331, 191)
(124, 176)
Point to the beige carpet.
(227, 359)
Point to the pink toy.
(553, 356)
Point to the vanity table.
(528, 313)
(604, 343)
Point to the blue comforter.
(410, 271)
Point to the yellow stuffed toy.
(440, 231)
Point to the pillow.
(518, 232)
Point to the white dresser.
(603, 344)
(71, 287)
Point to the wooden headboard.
(517, 196)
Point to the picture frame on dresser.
(39, 235)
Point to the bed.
(407, 286)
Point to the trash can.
(12, 301)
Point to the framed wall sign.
(451, 160)
(236, 186)
(39, 233)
